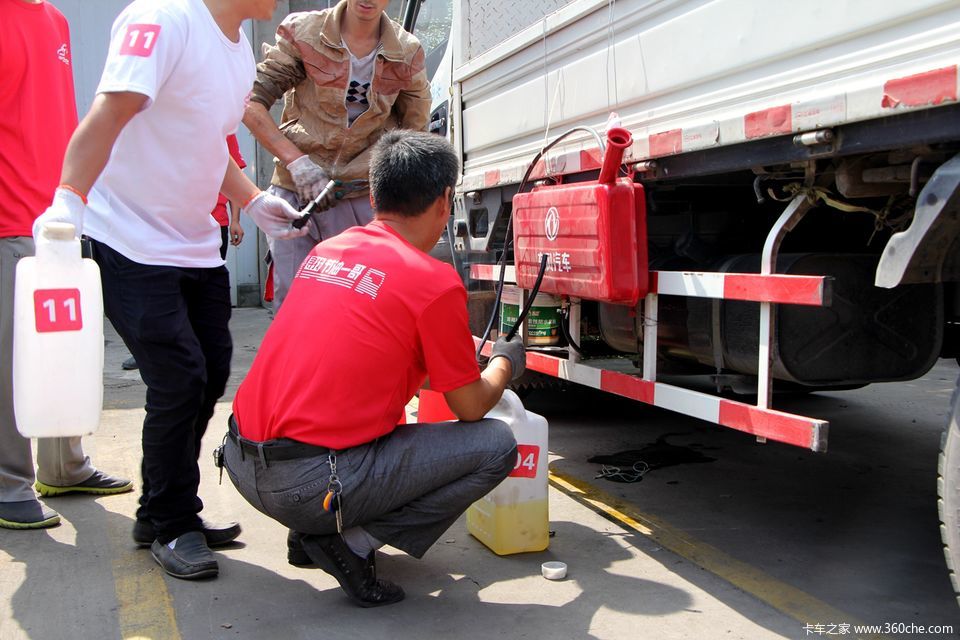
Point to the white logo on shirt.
(63, 53)
(328, 270)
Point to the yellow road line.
(145, 609)
(789, 600)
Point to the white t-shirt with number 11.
(152, 202)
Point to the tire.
(948, 491)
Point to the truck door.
(430, 21)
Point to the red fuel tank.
(593, 233)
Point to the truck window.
(394, 9)
(433, 31)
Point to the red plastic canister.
(593, 233)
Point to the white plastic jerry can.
(57, 339)
(514, 517)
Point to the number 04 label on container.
(528, 456)
(57, 310)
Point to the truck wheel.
(948, 491)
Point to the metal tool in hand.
(311, 207)
(331, 501)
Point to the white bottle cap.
(59, 231)
(554, 570)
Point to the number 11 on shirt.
(140, 40)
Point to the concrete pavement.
(85, 578)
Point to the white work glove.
(67, 206)
(274, 216)
(310, 179)
(514, 351)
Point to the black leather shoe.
(296, 555)
(357, 576)
(217, 535)
(189, 559)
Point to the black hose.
(566, 336)
(508, 237)
(496, 302)
(530, 298)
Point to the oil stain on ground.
(633, 464)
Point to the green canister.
(543, 321)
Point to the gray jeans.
(289, 254)
(60, 461)
(405, 489)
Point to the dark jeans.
(174, 321)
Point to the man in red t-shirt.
(39, 114)
(314, 441)
(230, 230)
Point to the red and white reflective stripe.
(492, 272)
(569, 162)
(575, 161)
(768, 122)
(780, 289)
(783, 427)
(816, 114)
(919, 90)
(666, 143)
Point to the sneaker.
(296, 555)
(357, 576)
(98, 484)
(129, 364)
(216, 535)
(187, 557)
(27, 514)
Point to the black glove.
(513, 351)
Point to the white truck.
(797, 212)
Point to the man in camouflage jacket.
(346, 75)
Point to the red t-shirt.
(367, 318)
(39, 110)
(219, 212)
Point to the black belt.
(279, 449)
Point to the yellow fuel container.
(514, 517)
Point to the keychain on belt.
(218, 455)
(331, 501)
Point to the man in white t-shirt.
(346, 75)
(141, 175)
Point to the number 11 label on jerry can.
(514, 517)
(57, 339)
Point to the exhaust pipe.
(618, 140)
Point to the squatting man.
(314, 441)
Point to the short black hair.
(409, 170)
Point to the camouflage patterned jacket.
(310, 69)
